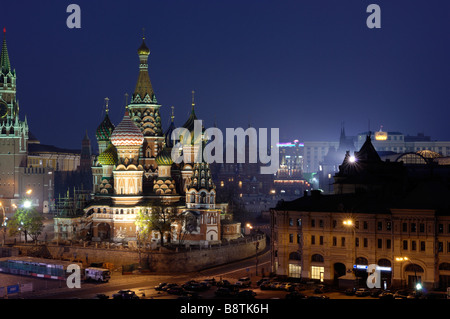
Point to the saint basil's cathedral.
(134, 172)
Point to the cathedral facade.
(134, 175)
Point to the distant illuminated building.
(289, 178)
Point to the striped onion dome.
(127, 133)
(164, 158)
(109, 156)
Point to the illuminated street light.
(348, 222)
(28, 192)
(352, 159)
(27, 204)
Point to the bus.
(36, 267)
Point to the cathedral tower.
(144, 110)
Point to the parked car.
(176, 290)
(320, 289)
(401, 294)
(386, 295)
(362, 292)
(223, 283)
(265, 285)
(375, 292)
(323, 297)
(101, 296)
(243, 282)
(246, 294)
(259, 282)
(211, 281)
(293, 295)
(205, 284)
(350, 291)
(224, 292)
(160, 286)
(168, 286)
(125, 294)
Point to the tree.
(158, 219)
(27, 221)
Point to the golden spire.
(193, 102)
(106, 105)
(172, 116)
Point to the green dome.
(164, 158)
(105, 129)
(109, 156)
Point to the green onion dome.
(164, 158)
(105, 129)
(109, 156)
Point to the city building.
(382, 213)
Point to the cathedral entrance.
(104, 231)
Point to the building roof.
(43, 148)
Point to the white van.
(97, 274)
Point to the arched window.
(361, 261)
(295, 256)
(413, 268)
(317, 258)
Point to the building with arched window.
(404, 230)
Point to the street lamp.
(27, 204)
(349, 223)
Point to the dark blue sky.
(301, 66)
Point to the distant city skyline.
(301, 66)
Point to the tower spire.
(193, 99)
(143, 92)
(106, 105)
(172, 116)
(4, 58)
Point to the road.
(140, 283)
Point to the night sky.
(301, 66)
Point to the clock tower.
(13, 132)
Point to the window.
(388, 225)
(422, 227)
(299, 222)
(294, 270)
(380, 243)
(321, 240)
(366, 242)
(335, 241)
(291, 238)
(317, 272)
(405, 245)
(313, 223)
(380, 226)
(321, 223)
(405, 227)
(413, 245)
(357, 242)
(335, 224)
(365, 225)
(388, 244)
(299, 237)
(422, 246)
(440, 228)
(413, 227)
(343, 241)
(291, 222)
(440, 247)
(313, 240)
(357, 224)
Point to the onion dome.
(127, 133)
(109, 156)
(164, 158)
(105, 129)
(143, 49)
